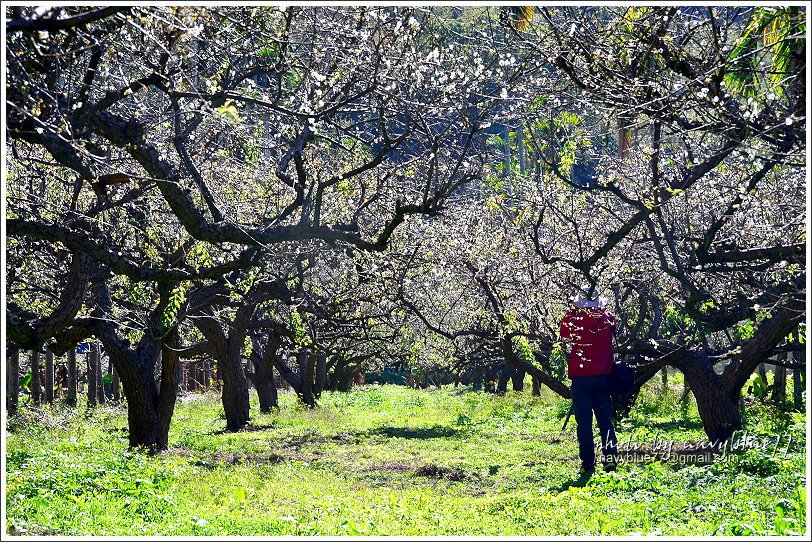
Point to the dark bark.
(342, 376)
(228, 349)
(779, 392)
(101, 398)
(149, 408)
(168, 392)
(49, 376)
(13, 380)
(262, 377)
(504, 375)
(321, 374)
(799, 380)
(798, 390)
(517, 379)
(229, 364)
(28, 330)
(137, 378)
(235, 391)
(686, 391)
(622, 405)
(91, 376)
(36, 383)
(306, 375)
(718, 407)
(54, 24)
(771, 332)
(70, 399)
(536, 387)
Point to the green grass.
(390, 460)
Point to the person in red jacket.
(589, 328)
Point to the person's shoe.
(610, 464)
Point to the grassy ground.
(392, 460)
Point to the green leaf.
(229, 110)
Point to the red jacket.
(590, 331)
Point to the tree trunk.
(341, 379)
(235, 390)
(622, 405)
(265, 385)
(149, 409)
(779, 394)
(306, 375)
(13, 381)
(718, 407)
(536, 387)
(228, 351)
(91, 376)
(72, 376)
(262, 377)
(321, 374)
(168, 393)
(49, 376)
(664, 375)
(36, 383)
(518, 380)
(686, 390)
(504, 375)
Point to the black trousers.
(591, 394)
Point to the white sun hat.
(584, 301)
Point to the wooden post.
(49, 376)
(71, 398)
(100, 396)
(13, 381)
(36, 383)
(206, 375)
(90, 357)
